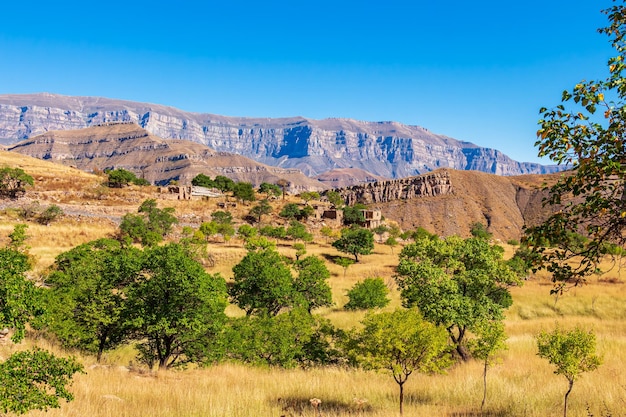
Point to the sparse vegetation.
(13, 182)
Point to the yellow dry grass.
(520, 385)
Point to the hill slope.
(126, 145)
(387, 149)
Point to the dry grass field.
(521, 384)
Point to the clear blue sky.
(477, 71)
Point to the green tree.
(50, 214)
(290, 211)
(298, 231)
(401, 342)
(311, 287)
(208, 229)
(224, 184)
(271, 190)
(277, 232)
(261, 209)
(300, 250)
(281, 340)
(263, 283)
(380, 230)
(309, 195)
(490, 342)
(355, 241)
(33, 379)
(20, 300)
(118, 178)
(572, 352)
(246, 231)
(202, 180)
(329, 233)
(477, 229)
(177, 309)
(344, 263)
(283, 184)
(222, 217)
(353, 215)
(335, 198)
(367, 294)
(457, 283)
(586, 134)
(150, 225)
(87, 300)
(391, 242)
(13, 182)
(244, 191)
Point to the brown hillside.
(504, 204)
(126, 145)
(344, 177)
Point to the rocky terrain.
(445, 201)
(128, 146)
(449, 201)
(385, 149)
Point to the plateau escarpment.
(385, 149)
(127, 146)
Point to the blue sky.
(476, 71)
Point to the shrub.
(366, 294)
(13, 182)
(50, 214)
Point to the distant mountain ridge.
(385, 149)
(128, 146)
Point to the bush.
(13, 182)
(49, 214)
(366, 294)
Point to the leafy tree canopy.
(571, 352)
(401, 342)
(367, 294)
(586, 134)
(87, 299)
(13, 182)
(458, 283)
(244, 191)
(270, 189)
(355, 241)
(177, 309)
(202, 180)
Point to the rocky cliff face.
(386, 149)
(428, 185)
(447, 202)
(159, 161)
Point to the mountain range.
(315, 147)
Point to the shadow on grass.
(486, 413)
(301, 406)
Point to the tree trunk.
(484, 386)
(401, 397)
(571, 384)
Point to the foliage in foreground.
(35, 379)
(366, 294)
(401, 342)
(572, 352)
(588, 138)
(457, 283)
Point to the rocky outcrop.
(127, 146)
(386, 149)
(428, 185)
